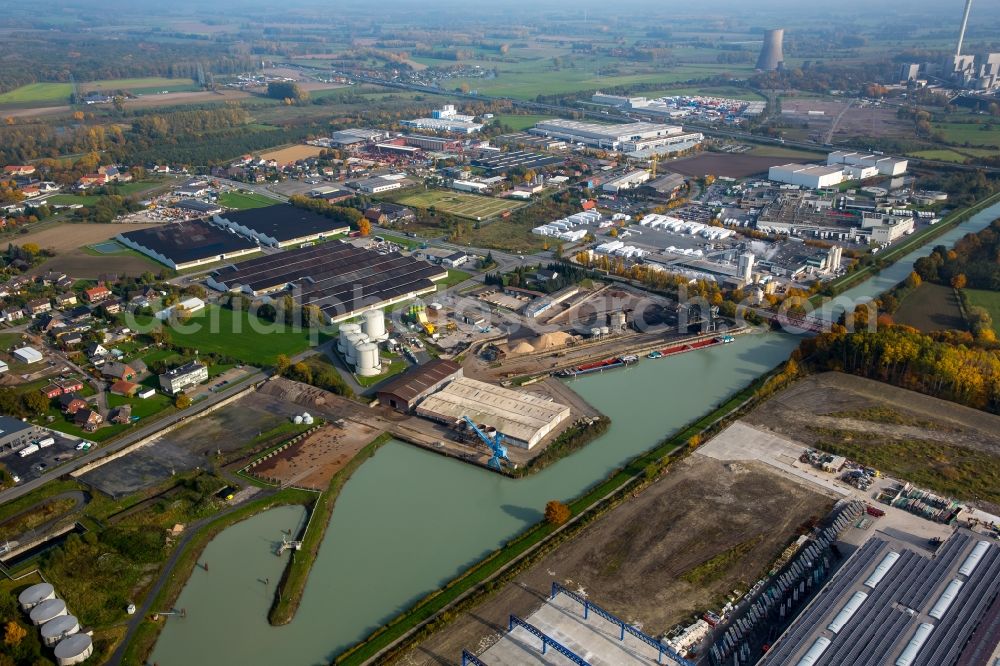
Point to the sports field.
(470, 206)
(244, 200)
(35, 93)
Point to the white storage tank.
(374, 326)
(605, 330)
(297, 420)
(47, 610)
(74, 650)
(58, 629)
(351, 347)
(307, 418)
(345, 331)
(595, 332)
(35, 595)
(368, 363)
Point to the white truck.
(48, 441)
(28, 450)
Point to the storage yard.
(639, 560)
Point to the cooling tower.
(770, 53)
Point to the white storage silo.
(47, 610)
(345, 331)
(351, 347)
(374, 326)
(297, 420)
(55, 630)
(74, 650)
(368, 363)
(35, 595)
(605, 331)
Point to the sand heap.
(552, 340)
(522, 347)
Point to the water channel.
(409, 520)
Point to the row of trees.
(974, 261)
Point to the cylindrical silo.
(346, 330)
(368, 363)
(351, 347)
(595, 332)
(605, 330)
(58, 629)
(74, 650)
(47, 610)
(374, 326)
(35, 595)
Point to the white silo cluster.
(359, 343)
(59, 629)
(303, 418)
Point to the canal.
(409, 520)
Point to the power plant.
(979, 71)
(771, 57)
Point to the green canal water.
(409, 520)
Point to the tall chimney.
(965, 22)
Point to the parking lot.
(34, 465)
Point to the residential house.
(18, 170)
(455, 260)
(39, 306)
(51, 391)
(118, 371)
(91, 180)
(184, 377)
(79, 314)
(124, 388)
(112, 306)
(121, 415)
(96, 351)
(71, 340)
(70, 403)
(88, 419)
(66, 299)
(51, 277)
(70, 385)
(13, 313)
(97, 294)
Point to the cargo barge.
(691, 346)
(599, 366)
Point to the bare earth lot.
(728, 165)
(312, 462)
(292, 154)
(67, 241)
(931, 307)
(632, 560)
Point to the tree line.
(973, 262)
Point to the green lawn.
(217, 330)
(518, 123)
(140, 85)
(242, 201)
(988, 300)
(940, 155)
(73, 199)
(143, 408)
(454, 277)
(973, 134)
(469, 206)
(38, 93)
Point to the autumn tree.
(959, 281)
(35, 402)
(281, 364)
(913, 280)
(364, 226)
(13, 634)
(557, 513)
(182, 401)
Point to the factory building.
(355, 136)
(813, 176)
(894, 602)
(184, 377)
(886, 166)
(281, 225)
(524, 419)
(435, 143)
(404, 392)
(445, 119)
(884, 228)
(182, 245)
(627, 181)
(638, 139)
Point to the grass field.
(242, 201)
(140, 85)
(470, 206)
(931, 307)
(38, 93)
(518, 123)
(989, 300)
(218, 330)
(940, 155)
(973, 134)
(73, 199)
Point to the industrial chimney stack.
(965, 22)
(771, 57)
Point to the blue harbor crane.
(494, 443)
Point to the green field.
(731, 92)
(217, 330)
(470, 206)
(974, 134)
(940, 155)
(242, 201)
(988, 300)
(73, 199)
(518, 123)
(38, 93)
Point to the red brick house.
(52, 391)
(88, 419)
(97, 294)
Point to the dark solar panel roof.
(189, 241)
(284, 221)
(336, 277)
(886, 620)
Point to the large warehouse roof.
(185, 242)
(919, 610)
(522, 417)
(282, 222)
(416, 382)
(336, 277)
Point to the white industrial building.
(885, 228)
(813, 176)
(636, 139)
(188, 305)
(565, 228)
(184, 377)
(887, 166)
(28, 355)
(523, 418)
(626, 181)
(469, 186)
(445, 119)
